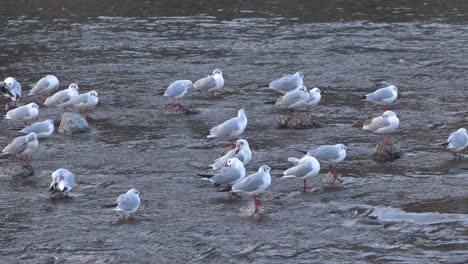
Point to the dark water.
(129, 51)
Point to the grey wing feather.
(36, 128)
(457, 140)
(290, 99)
(206, 83)
(175, 89)
(17, 146)
(376, 124)
(226, 175)
(226, 128)
(249, 184)
(325, 153)
(82, 98)
(381, 94)
(40, 85)
(300, 170)
(126, 202)
(58, 98)
(19, 112)
(286, 83)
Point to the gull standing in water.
(11, 88)
(127, 203)
(388, 122)
(45, 86)
(457, 142)
(213, 83)
(230, 128)
(254, 184)
(177, 90)
(86, 102)
(287, 83)
(331, 154)
(307, 167)
(22, 147)
(42, 129)
(63, 98)
(23, 113)
(383, 96)
(241, 151)
(63, 181)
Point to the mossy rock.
(293, 122)
(383, 153)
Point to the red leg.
(305, 185)
(65, 109)
(385, 140)
(384, 108)
(332, 169)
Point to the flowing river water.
(413, 210)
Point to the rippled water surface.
(413, 210)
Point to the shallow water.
(412, 210)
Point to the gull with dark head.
(11, 88)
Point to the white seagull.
(287, 83)
(45, 85)
(388, 122)
(63, 181)
(294, 99)
(42, 129)
(23, 113)
(177, 90)
(241, 151)
(233, 172)
(254, 184)
(230, 128)
(331, 154)
(127, 203)
(314, 98)
(11, 88)
(63, 98)
(212, 83)
(307, 167)
(383, 96)
(22, 147)
(86, 102)
(457, 142)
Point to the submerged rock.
(16, 170)
(72, 123)
(180, 109)
(383, 153)
(296, 122)
(330, 179)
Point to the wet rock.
(288, 122)
(180, 109)
(383, 153)
(16, 170)
(358, 124)
(72, 123)
(331, 179)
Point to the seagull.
(457, 142)
(388, 122)
(213, 82)
(230, 128)
(294, 99)
(331, 154)
(22, 147)
(86, 102)
(43, 129)
(307, 167)
(63, 98)
(23, 113)
(287, 83)
(254, 184)
(45, 86)
(241, 151)
(11, 88)
(63, 181)
(233, 172)
(314, 99)
(177, 90)
(127, 203)
(383, 96)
